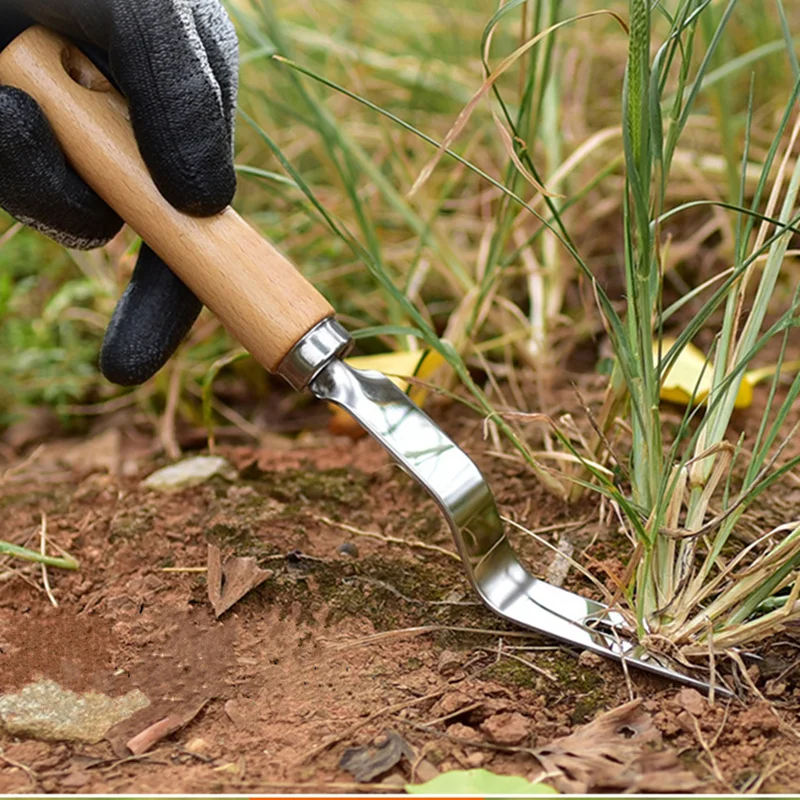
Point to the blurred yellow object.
(397, 366)
(691, 375)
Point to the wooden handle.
(258, 295)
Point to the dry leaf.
(365, 765)
(230, 582)
(690, 378)
(143, 741)
(600, 757)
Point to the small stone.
(775, 688)
(394, 781)
(509, 728)
(464, 732)
(692, 701)
(197, 746)
(475, 760)
(449, 663)
(46, 711)
(425, 771)
(590, 660)
(188, 473)
(347, 549)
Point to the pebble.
(449, 663)
(198, 746)
(348, 549)
(190, 472)
(46, 711)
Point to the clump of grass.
(680, 503)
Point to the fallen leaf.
(365, 764)
(228, 583)
(143, 741)
(691, 375)
(478, 782)
(600, 757)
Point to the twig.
(43, 551)
(423, 629)
(177, 570)
(18, 468)
(10, 234)
(390, 539)
(765, 775)
(540, 670)
(31, 773)
(166, 430)
(457, 713)
(712, 758)
(712, 664)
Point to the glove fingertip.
(153, 316)
(200, 195)
(126, 367)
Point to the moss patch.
(329, 490)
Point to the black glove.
(177, 63)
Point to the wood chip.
(153, 734)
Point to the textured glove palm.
(177, 63)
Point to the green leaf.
(479, 782)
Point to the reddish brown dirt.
(287, 685)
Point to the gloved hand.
(177, 62)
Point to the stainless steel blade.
(423, 450)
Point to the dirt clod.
(507, 728)
(449, 663)
(692, 701)
(589, 659)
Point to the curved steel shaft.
(423, 450)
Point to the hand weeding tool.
(288, 326)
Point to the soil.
(293, 675)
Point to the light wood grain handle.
(258, 295)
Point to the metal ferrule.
(323, 343)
